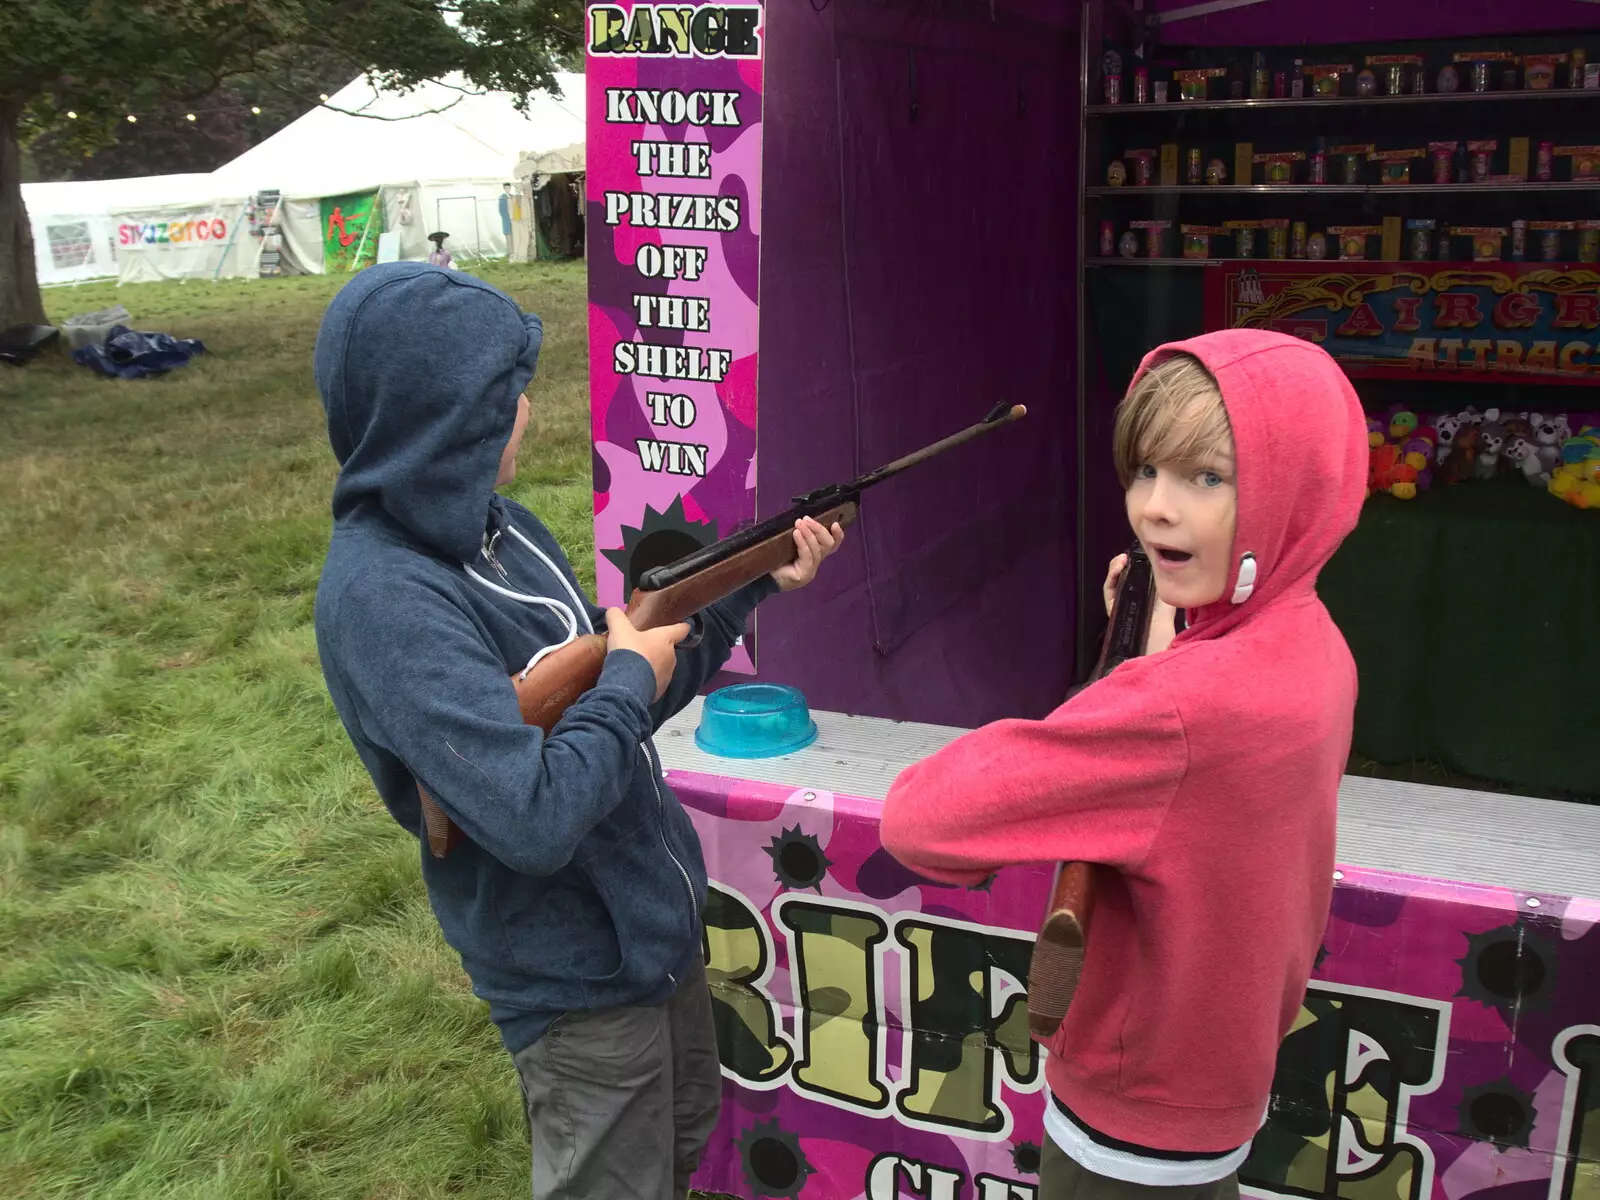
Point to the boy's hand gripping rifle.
(1058, 953)
(672, 593)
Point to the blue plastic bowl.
(755, 720)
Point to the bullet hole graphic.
(1498, 1112)
(662, 538)
(1512, 966)
(1025, 1157)
(773, 1162)
(798, 860)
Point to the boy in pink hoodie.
(1201, 779)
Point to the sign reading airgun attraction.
(674, 174)
(874, 1037)
(1409, 320)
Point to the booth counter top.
(1516, 842)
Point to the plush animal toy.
(1400, 463)
(1525, 456)
(1491, 441)
(1445, 428)
(1548, 434)
(1577, 479)
(1458, 465)
(1388, 471)
(1402, 424)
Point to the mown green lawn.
(219, 975)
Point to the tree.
(164, 141)
(246, 111)
(69, 67)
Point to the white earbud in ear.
(1247, 578)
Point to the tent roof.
(91, 196)
(404, 137)
(566, 159)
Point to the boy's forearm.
(936, 821)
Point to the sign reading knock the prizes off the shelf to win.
(674, 174)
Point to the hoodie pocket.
(651, 905)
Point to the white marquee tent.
(437, 157)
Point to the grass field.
(219, 975)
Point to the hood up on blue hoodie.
(403, 351)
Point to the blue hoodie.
(579, 881)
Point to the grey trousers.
(1060, 1178)
(622, 1101)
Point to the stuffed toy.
(1402, 424)
(1445, 428)
(1577, 479)
(1492, 440)
(1458, 465)
(1524, 455)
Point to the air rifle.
(668, 594)
(1058, 953)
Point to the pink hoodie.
(1206, 777)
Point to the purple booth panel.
(917, 267)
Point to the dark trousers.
(1060, 1178)
(622, 1101)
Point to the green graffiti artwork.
(1345, 1075)
(738, 959)
(955, 1034)
(834, 963)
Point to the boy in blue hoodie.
(574, 893)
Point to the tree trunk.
(20, 302)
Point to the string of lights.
(192, 115)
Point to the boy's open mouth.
(1175, 557)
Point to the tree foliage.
(246, 110)
(92, 57)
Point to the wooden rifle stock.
(678, 590)
(558, 679)
(1058, 953)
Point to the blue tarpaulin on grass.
(128, 354)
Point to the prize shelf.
(1097, 261)
(1341, 189)
(1178, 107)
(1333, 263)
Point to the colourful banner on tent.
(187, 230)
(873, 1027)
(1405, 320)
(674, 200)
(350, 228)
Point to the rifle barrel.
(1003, 414)
(816, 502)
(660, 577)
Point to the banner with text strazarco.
(673, 234)
(874, 1038)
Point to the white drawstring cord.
(582, 608)
(567, 616)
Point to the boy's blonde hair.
(1173, 414)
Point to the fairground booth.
(825, 233)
